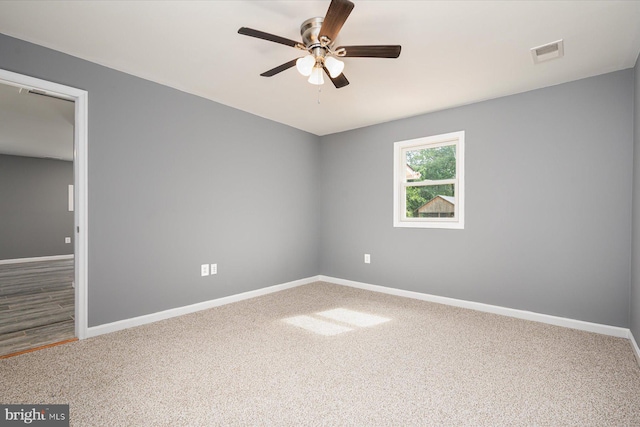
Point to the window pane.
(431, 201)
(431, 163)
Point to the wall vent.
(548, 51)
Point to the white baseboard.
(510, 312)
(35, 259)
(174, 312)
(520, 314)
(634, 345)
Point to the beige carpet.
(242, 364)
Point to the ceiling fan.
(318, 38)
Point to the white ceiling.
(453, 52)
(34, 125)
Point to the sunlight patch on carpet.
(316, 325)
(342, 315)
(354, 318)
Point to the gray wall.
(34, 210)
(548, 204)
(635, 265)
(176, 181)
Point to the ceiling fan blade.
(338, 82)
(279, 68)
(266, 36)
(335, 18)
(373, 51)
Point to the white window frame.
(400, 218)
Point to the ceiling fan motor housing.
(310, 31)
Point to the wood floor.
(36, 304)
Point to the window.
(428, 187)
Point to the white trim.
(487, 308)
(634, 345)
(35, 259)
(81, 199)
(510, 312)
(80, 98)
(430, 183)
(70, 194)
(179, 311)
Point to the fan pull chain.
(319, 90)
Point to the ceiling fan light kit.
(318, 38)
(306, 64)
(316, 77)
(335, 66)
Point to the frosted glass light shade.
(316, 77)
(334, 66)
(305, 65)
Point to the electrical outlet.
(214, 268)
(67, 239)
(204, 270)
(367, 258)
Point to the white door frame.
(80, 97)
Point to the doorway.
(61, 267)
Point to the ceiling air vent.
(548, 51)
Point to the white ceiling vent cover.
(548, 51)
